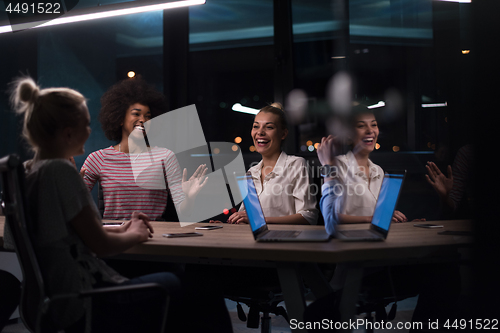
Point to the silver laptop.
(258, 223)
(384, 210)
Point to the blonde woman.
(68, 235)
(352, 181)
(281, 180)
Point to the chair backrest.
(14, 204)
(100, 199)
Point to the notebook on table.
(384, 210)
(258, 223)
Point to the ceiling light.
(459, 1)
(435, 105)
(378, 105)
(240, 108)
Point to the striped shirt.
(135, 182)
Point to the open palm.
(192, 187)
(441, 183)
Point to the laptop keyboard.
(282, 234)
(359, 233)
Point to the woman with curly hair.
(125, 107)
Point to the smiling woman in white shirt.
(352, 181)
(281, 180)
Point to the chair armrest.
(102, 291)
(117, 289)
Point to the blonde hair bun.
(25, 91)
(278, 106)
(277, 109)
(28, 90)
(45, 111)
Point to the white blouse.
(286, 189)
(357, 195)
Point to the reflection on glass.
(227, 23)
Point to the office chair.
(100, 199)
(10, 293)
(35, 302)
(259, 299)
(378, 292)
(265, 298)
(265, 295)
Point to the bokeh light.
(393, 105)
(339, 93)
(296, 106)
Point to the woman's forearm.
(290, 219)
(345, 219)
(95, 237)
(185, 207)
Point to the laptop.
(384, 210)
(258, 223)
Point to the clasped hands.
(139, 224)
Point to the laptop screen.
(252, 203)
(387, 200)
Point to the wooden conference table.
(234, 245)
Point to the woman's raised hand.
(326, 150)
(438, 180)
(193, 186)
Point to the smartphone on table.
(182, 234)
(209, 227)
(427, 225)
(113, 224)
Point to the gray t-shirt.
(56, 194)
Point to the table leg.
(293, 291)
(353, 275)
(315, 280)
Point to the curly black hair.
(118, 98)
